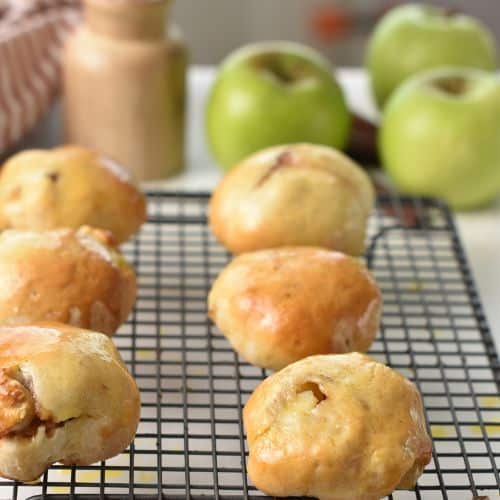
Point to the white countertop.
(480, 231)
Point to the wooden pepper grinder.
(124, 74)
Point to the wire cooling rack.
(190, 441)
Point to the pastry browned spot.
(53, 176)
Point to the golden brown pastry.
(298, 194)
(280, 305)
(69, 186)
(336, 427)
(65, 396)
(69, 276)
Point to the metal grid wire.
(190, 440)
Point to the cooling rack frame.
(191, 443)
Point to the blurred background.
(339, 29)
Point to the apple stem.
(279, 73)
(283, 73)
(455, 85)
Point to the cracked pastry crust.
(69, 186)
(336, 427)
(65, 396)
(293, 195)
(65, 275)
(280, 305)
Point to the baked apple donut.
(336, 427)
(293, 195)
(65, 396)
(66, 275)
(280, 305)
(69, 186)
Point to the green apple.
(274, 93)
(413, 38)
(440, 136)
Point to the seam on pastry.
(16, 401)
(285, 159)
(25, 378)
(39, 416)
(31, 430)
(264, 431)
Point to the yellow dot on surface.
(146, 477)
(144, 355)
(58, 489)
(198, 370)
(489, 401)
(116, 474)
(442, 431)
(88, 476)
(415, 285)
(175, 356)
(491, 429)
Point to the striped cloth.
(31, 35)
